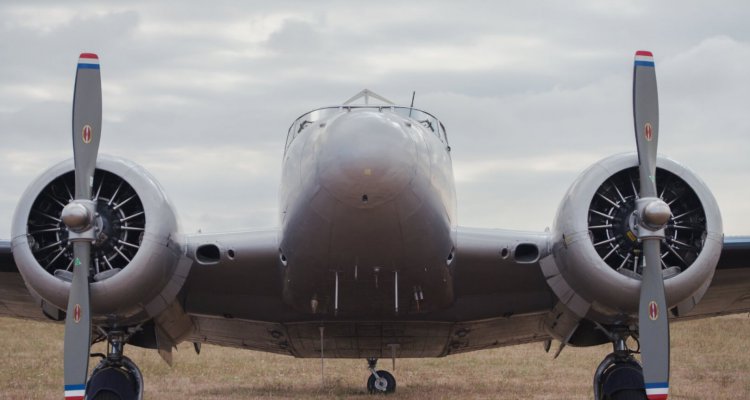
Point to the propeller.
(80, 217)
(653, 214)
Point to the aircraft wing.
(504, 264)
(15, 300)
(729, 291)
(217, 287)
(6, 258)
(234, 274)
(226, 268)
(489, 264)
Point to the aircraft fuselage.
(368, 213)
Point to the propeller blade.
(78, 325)
(87, 122)
(78, 216)
(653, 324)
(646, 117)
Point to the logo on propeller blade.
(77, 313)
(648, 132)
(86, 134)
(653, 311)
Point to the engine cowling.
(135, 271)
(596, 263)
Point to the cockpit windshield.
(426, 119)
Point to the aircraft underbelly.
(365, 339)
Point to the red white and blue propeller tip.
(75, 392)
(657, 391)
(88, 61)
(644, 58)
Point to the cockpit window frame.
(309, 118)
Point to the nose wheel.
(379, 381)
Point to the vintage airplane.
(368, 261)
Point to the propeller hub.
(76, 217)
(656, 214)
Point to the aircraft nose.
(366, 158)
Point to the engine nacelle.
(596, 264)
(136, 270)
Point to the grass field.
(710, 360)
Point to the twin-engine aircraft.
(368, 261)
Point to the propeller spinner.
(653, 214)
(79, 217)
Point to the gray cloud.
(530, 93)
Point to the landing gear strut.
(619, 376)
(379, 381)
(116, 377)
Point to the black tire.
(629, 394)
(111, 384)
(390, 385)
(624, 381)
(107, 395)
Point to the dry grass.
(710, 360)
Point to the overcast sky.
(531, 93)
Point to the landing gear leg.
(619, 376)
(379, 381)
(116, 376)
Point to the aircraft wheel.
(107, 395)
(624, 381)
(628, 394)
(111, 383)
(386, 383)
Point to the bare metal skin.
(368, 194)
(499, 285)
(483, 281)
